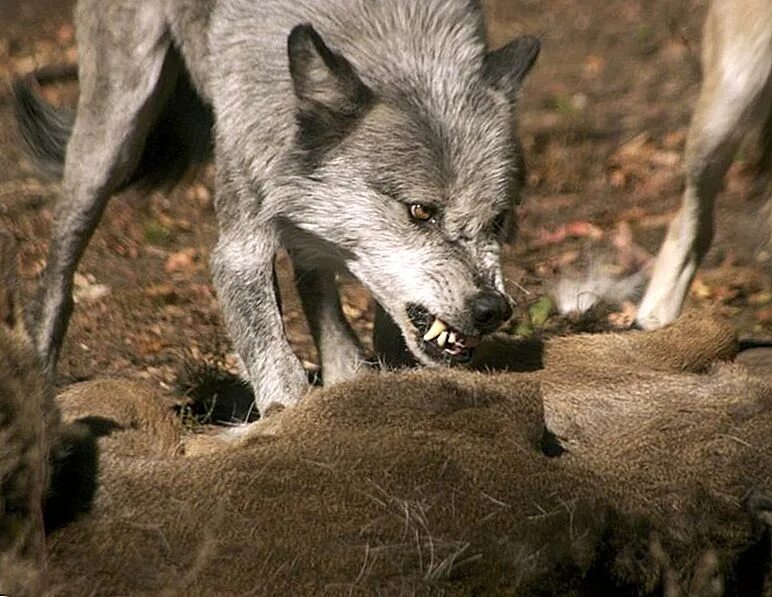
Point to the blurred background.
(603, 119)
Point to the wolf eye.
(421, 213)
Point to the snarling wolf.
(735, 98)
(372, 136)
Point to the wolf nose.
(489, 310)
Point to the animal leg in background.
(735, 95)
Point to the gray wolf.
(735, 98)
(375, 137)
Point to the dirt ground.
(603, 120)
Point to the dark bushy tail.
(44, 129)
(180, 136)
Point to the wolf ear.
(506, 67)
(323, 79)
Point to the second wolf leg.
(339, 349)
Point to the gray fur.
(331, 117)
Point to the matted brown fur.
(47, 468)
(440, 481)
(27, 413)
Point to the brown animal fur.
(40, 459)
(24, 395)
(439, 481)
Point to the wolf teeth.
(452, 337)
(437, 328)
(442, 338)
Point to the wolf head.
(412, 184)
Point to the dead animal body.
(623, 464)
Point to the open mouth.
(439, 340)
